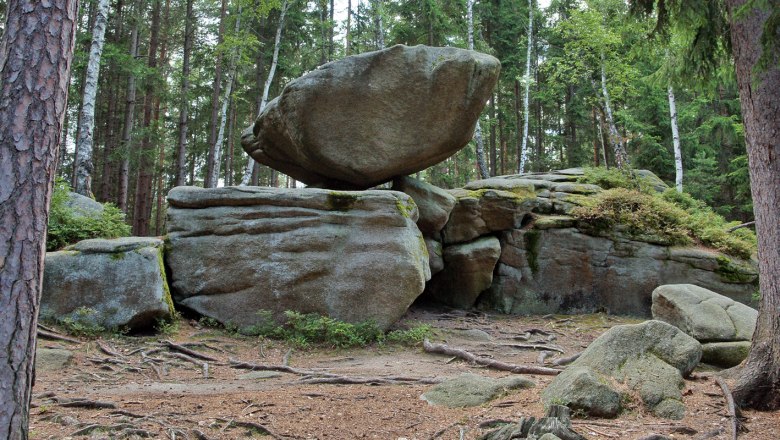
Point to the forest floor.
(142, 387)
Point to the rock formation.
(365, 119)
(236, 254)
(117, 283)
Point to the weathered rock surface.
(472, 390)
(110, 283)
(363, 120)
(484, 211)
(582, 389)
(703, 314)
(650, 358)
(468, 271)
(434, 204)
(237, 251)
(83, 206)
(435, 256)
(52, 359)
(724, 354)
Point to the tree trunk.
(331, 26)
(571, 128)
(493, 135)
(127, 129)
(347, 45)
(143, 190)
(523, 153)
(621, 157)
(216, 93)
(31, 120)
(380, 31)
(247, 177)
(215, 171)
(91, 12)
(231, 144)
(759, 93)
(481, 165)
(112, 119)
(678, 168)
(181, 147)
(84, 166)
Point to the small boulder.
(581, 388)
(472, 390)
(650, 358)
(725, 354)
(434, 204)
(703, 314)
(83, 206)
(468, 271)
(108, 283)
(52, 359)
(368, 118)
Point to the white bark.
(266, 89)
(214, 177)
(527, 80)
(380, 31)
(621, 157)
(678, 179)
(84, 166)
(483, 169)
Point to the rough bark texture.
(621, 157)
(759, 94)
(36, 48)
(181, 167)
(127, 129)
(217, 90)
(84, 165)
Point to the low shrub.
(67, 227)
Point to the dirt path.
(157, 394)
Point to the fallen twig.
(204, 366)
(732, 407)
(187, 351)
(534, 347)
(108, 350)
(56, 336)
(743, 225)
(490, 363)
(262, 429)
(566, 360)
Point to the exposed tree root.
(733, 416)
(490, 363)
(187, 351)
(321, 377)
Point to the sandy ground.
(143, 390)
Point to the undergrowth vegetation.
(308, 329)
(669, 218)
(67, 226)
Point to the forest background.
(178, 80)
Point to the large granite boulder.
(483, 211)
(237, 253)
(365, 119)
(723, 326)
(649, 358)
(468, 271)
(118, 283)
(83, 206)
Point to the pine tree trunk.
(621, 157)
(331, 26)
(112, 119)
(142, 207)
(481, 165)
(229, 172)
(379, 25)
(523, 153)
(759, 93)
(216, 93)
(347, 41)
(493, 135)
(678, 167)
(127, 129)
(31, 120)
(181, 146)
(247, 177)
(84, 166)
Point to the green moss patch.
(341, 201)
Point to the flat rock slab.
(365, 119)
(108, 283)
(649, 358)
(52, 359)
(725, 354)
(237, 254)
(472, 390)
(703, 314)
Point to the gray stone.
(649, 358)
(483, 211)
(472, 390)
(703, 314)
(549, 436)
(581, 388)
(547, 269)
(468, 271)
(108, 283)
(434, 204)
(365, 119)
(238, 251)
(725, 354)
(83, 206)
(52, 359)
(435, 255)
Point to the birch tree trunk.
(481, 165)
(678, 167)
(621, 157)
(347, 45)
(181, 147)
(523, 154)
(379, 25)
(247, 177)
(84, 166)
(215, 169)
(216, 92)
(31, 121)
(127, 128)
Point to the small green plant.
(82, 323)
(411, 337)
(208, 322)
(169, 325)
(66, 226)
(305, 329)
